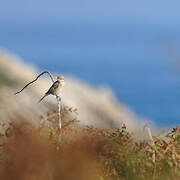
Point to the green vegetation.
(4, 80)
(44, 152)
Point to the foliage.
(5, 80)
(74, 152)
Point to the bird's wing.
(53, 88)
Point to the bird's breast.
(58, 90)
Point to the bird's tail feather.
(43, 98)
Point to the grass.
(44, 152)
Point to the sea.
(139, 62)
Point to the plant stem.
(59, 110)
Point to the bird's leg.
(58, 98)
(59, 101)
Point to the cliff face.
(96, 106)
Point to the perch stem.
(59, 111)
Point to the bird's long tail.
(43, 98)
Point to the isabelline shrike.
(55, 88)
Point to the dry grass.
(44, 152)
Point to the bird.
(55, 88)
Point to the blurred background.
(130, 46)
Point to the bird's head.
(61, 79)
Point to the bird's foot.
(58, 98)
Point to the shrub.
(44, 152)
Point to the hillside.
(96, 105)
(32, 146)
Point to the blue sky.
(140, 11)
